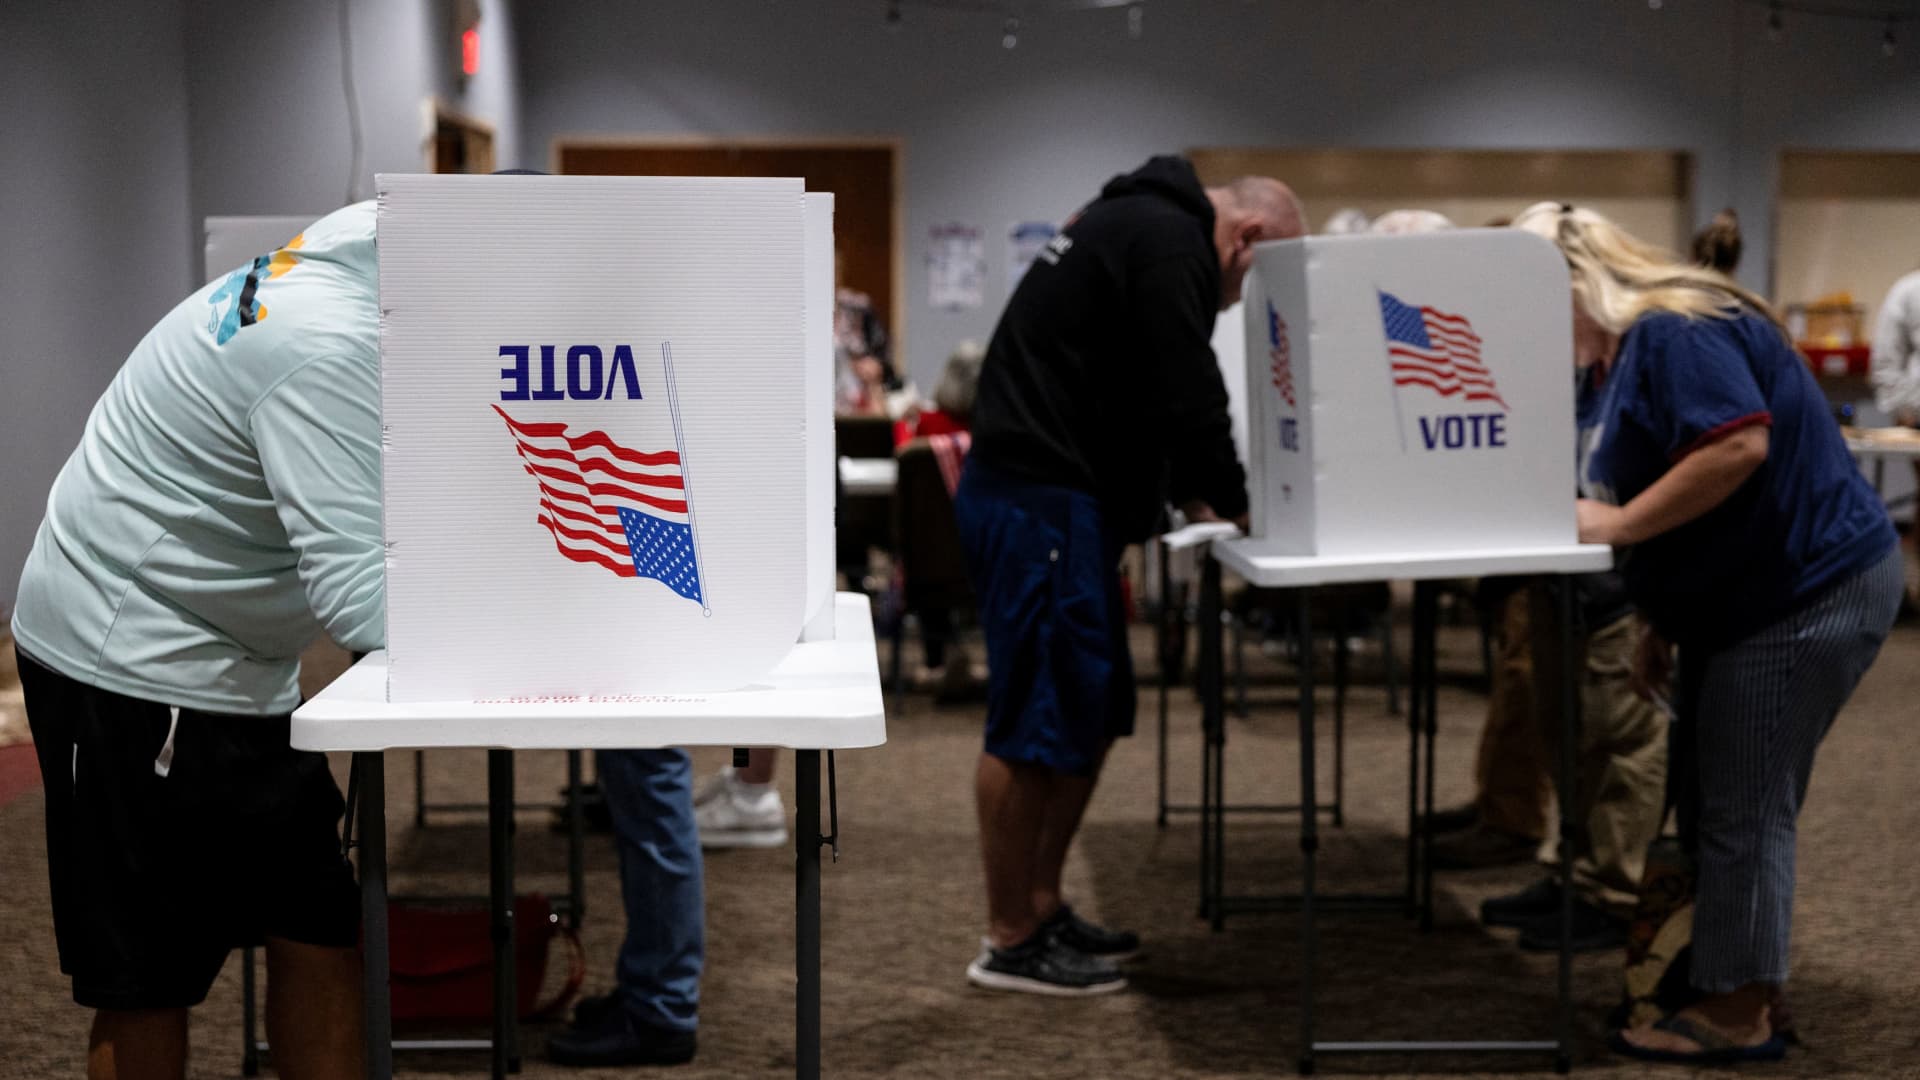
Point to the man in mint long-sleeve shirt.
(221, 510)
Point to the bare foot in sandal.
(1718, 1028)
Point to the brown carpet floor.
(904, 911)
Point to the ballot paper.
(1411, 394)
(593, 395)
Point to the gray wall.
(993, 135)
(270, 132)
(131, 123)
(95, 238)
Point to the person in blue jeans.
(652, 1014)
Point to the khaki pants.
(1620, 771)
(1515, 789)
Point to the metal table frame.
(1553, 649)
(370, 829)
(500, 829)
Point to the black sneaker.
(592, 1010)
(1115, 946)
(1594, 930)
(615, 1038)
(1538, 900)
(1454, 819)
(1043, 964)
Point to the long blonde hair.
(1617, 278)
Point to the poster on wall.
(956, 267)
(1024, 242)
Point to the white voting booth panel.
(594, 396)
(1410, 394)
(1230, 351)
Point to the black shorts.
(155, 879)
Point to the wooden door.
(863, 177)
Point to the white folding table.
(824, 696)
(869, 476)
(1864, 443)
(1553, 650)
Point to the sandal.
(1714, 1047)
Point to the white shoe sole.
(744, 838)
(994, 980)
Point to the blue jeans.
(650, 796)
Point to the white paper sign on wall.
(1411, 394)
(592, 393)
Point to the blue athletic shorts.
(1046, 582)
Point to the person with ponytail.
(1753, 544)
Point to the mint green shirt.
(223, 507)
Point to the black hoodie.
(1101, 376)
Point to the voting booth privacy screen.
(594, 397)
(1410, 394)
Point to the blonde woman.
(1754, 544)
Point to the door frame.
(897, 258)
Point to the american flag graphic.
(622, 509)
(1431, 348)
(1281, 354)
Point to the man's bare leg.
(138, 1044)
(1012, 800)
(1067, 798)
(315, 1021)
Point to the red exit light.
(470, 52)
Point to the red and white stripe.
(1452, 366)
(584, 480)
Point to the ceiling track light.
(1776, 26)
(893, 14)
(1656, 5)
(1136, 20)
(1010, 33)
(1888, 44)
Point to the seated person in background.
(1758, 548)
(867, 384)
(952, 410)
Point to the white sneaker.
(732, 814)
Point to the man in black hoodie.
(1100, 402)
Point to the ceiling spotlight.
(1656, 5)
(1136, 20)
(1888, 44)
(893, 14)
(1010, 33)
(1775, 25)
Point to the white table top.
(1884, 447)
(824, 696)
(1200, 532)
(869, 476)
(1246, 559)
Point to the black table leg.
(1213, 752)
(1557, 672)
(1416, 680)
(1426, 599)
(1165, 629)
(806, 905)
(250, 1046)
(372, 832)
(506, 1036)
(576, 845)
(1309, 828)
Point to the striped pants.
(1759, 710)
